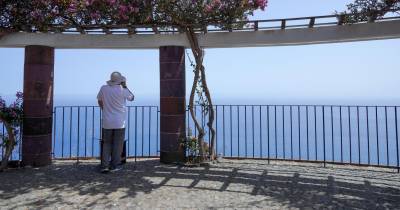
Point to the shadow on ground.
(229, 184)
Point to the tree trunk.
(197, 55)
(200, 74)
(210, 113)
(9, 146)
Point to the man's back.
(114, 99)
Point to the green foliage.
(13, 113)
(42, 15)
(192, 146)
(11, 116)
(369, 10)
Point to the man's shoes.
(115, 168)
(104, 170)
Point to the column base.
(36, 160)
(172, 157)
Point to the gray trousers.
(113, 142)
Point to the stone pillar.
(38, 105)
(172, 103)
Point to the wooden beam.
(283, 24)
(261, 38)
(312, 22)
(205, 29)
(131, 30)
(341, 19)
(155, 30)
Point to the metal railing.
(327, 134)
(77, 131)
(251, 25)
(358, 135)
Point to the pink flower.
(112, 2)
(261, 3)
(95, 15)
(123, 10)
(89, 2)
(72, 8)
(208, 8)
(215, 3)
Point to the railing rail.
(338, 134)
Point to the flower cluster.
(13, 113)
(24, 15)
(43, 14)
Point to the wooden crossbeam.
(205, 29)
(341, 19)
(131, 30)
(245, 38)
(312, 22)
(155, 30)
(283, 24)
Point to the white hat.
(116, 78)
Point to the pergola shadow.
(234, 184)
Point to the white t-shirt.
(114, 105)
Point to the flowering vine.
(11, 116)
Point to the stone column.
(172, 103)
(38, 105)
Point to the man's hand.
(123, 84)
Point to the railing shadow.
(294, 186)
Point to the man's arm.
(100, 98)
(128, 94)
(100, 104)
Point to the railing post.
(397, 140)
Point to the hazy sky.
(360, 72)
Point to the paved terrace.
(230, 184)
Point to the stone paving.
(230, 184)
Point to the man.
(112, 100)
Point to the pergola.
(39, 65)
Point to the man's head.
(116, 78)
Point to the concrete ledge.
(262, 38)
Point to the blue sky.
(346, 73)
